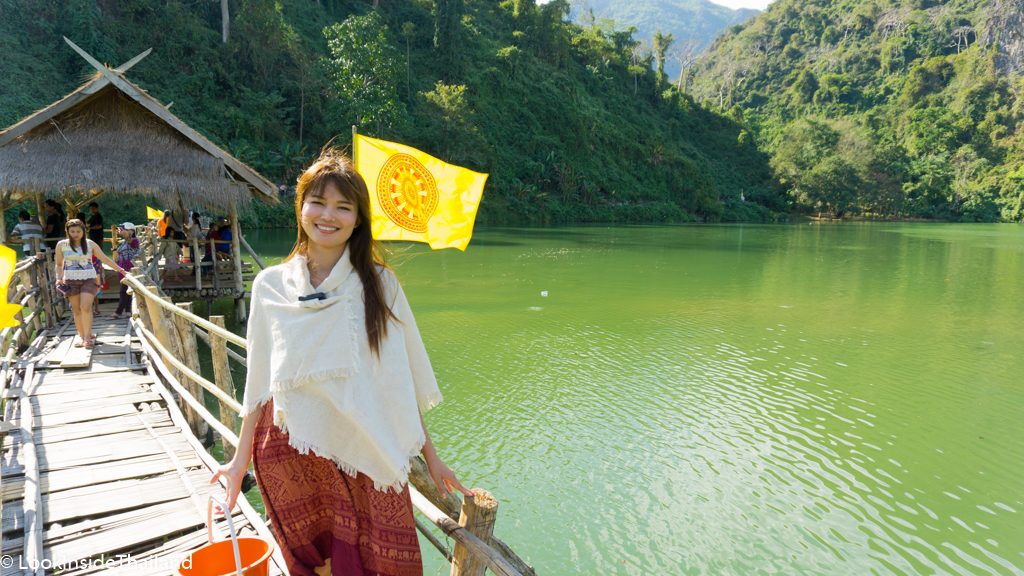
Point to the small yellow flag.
(416, 197)
(8, 258)
(153, 213)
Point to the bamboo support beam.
(255, 256)
(143, 291)
(149, 344)
(222, 377)
(425, 530)
(168, 356)
(190, 358)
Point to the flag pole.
(354, 133)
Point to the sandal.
(115, 316)
(79, 344)
(90, 343)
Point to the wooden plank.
(76, 357)
(59, 351)
(126, 531)
(79, 476)
(103, 499)
(46, 405)
(84, 415)
(13, 519)
(15, 569)
(101, 382)
(54, 434)
(133, 449)
(147, 529)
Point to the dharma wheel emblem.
(407, 192)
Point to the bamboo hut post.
(222, 377)
(478, 516)
(193, 247)
(236, 256)
(3, 223)
(189, 355)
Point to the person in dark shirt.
(54, 223)
(95, 224)
(224, 241)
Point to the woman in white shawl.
(337, 379)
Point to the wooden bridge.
(102, 467)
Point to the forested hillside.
(570, 125)
(890, 107)
(693, 24)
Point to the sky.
(759, 4)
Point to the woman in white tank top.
(77, 277)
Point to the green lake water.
(804, 399)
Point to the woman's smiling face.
(329, 219)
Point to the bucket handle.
(231, 528)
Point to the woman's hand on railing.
(444, 478)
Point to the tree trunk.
(225, 20)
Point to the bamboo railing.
(168, 332)
(30, 288)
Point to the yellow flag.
(153, 213)
(416, 197)
(7, 311)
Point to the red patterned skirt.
(318, 512)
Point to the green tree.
(660, 44)
(365, 69)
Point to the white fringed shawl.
(331, 394)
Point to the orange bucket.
(237, 556)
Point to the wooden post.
(3, 223)
(164, 328)
(33, 301)
(196, 264)
(190, 357)
(47, 288)
(478, 517)
(222, 377)
(236, 256)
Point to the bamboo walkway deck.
(99, 462)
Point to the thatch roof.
(110, 135)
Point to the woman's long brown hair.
(71, 241)
(364, 252)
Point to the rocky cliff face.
(1003, 28)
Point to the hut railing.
(168, 332)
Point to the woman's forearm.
(428, 451)
(243, 455)
(103, 257)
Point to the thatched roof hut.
(110, 135)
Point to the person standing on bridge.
(78, 278)
(338, 377)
